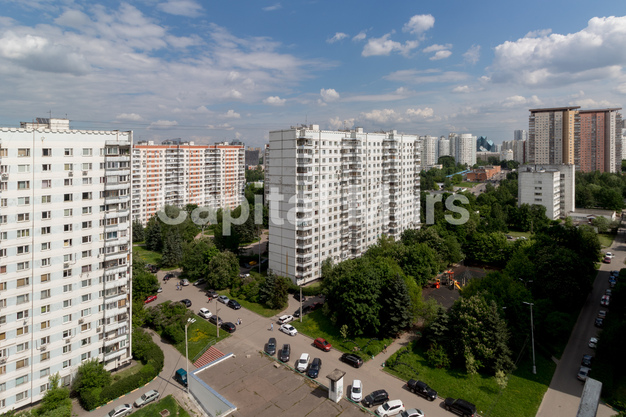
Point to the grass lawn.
(256, 307)
(127, 372)
(606, 240)
(316, 324)
(149, 256)
(467, 184)
(168, 403)
(520, 398)
(199, 334)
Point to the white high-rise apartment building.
(179, 173)
(520, 135)
(551, 186)
(464, 148)
(430, 150)
(65, 258)
(334, 193)
(444, 147)
(518, 147)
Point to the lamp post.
(532, 334)
(217, 319)
(189, 322)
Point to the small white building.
(551, 186)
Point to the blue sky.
(226, 70)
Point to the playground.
(445, 288)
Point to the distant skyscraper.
(599, 145)
(551, 135)
(430, 150)
(518, 147)
(464, 148)
(484, 145)
(444, 147)
(520, 135)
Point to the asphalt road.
(563, 395)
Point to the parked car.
(121, 411)
(305, 310)
(422, 389)
(608, 292)
(612, 282)
(356, 391)
(148, 397)
(150, 299)
(181, 376)
(377, 397)
(285, 319)
(160, 289)
(288, 329)
(321, 343)
(602, 314)
(167, 277)
(587, 360)
(184, 282)
(270, 347)
(297, 296)
(606, 260)
(205, 313)
(605, 300)
(593, 342)
(413, 412)
(216, 320)
(314, 368)
(212, 294)
(614, 273)
(599, 322)
(199, 282)
(285, 353)
(390, 408)
(233, 304)
(229, 327)
(186, 302)
(152, 268)
(583, 373)
(609, 255)
(351, 359)
(222, 299)
(303, 363)
(460, 407)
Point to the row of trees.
(600, 190)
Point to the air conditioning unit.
(68, 341)
(81, 321)
(70, 174)
(43, 348)
(85, 172)
(99, 329)
(66, 265)
(3, 360)
(5, 176)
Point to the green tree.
(274, 291)
(144, 282)
(223, 270)
(172, 250)
(138, 232)
(197, 255)
(395, 298)
(421, 262)
(56, 402)
(602, 223)
(153, 237)
(90, 378)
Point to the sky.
(212, 71)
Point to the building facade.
(444, 147)
(334, 193)
(178, 173)
(65, 258)
(464, 148)
(430, 151)
(551, 135)
(520, 135)
(483, 173)
(598, 144)
(551, 186)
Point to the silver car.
(148, 397)
(121, 411)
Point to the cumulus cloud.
(385, 46)
(329, 95)
(440, 55)
(337, 37)
(538, 33)
(462, 89)
(589, 103)
(521, 101)
(163, 124)
(426, 112)
(130, 117)
(274, 101)
(233, 94)
(436, 47)
(336, 123)
(555, 59)
(231, 114)
(360, 36)
(472, 55)
(273, 7)
(419, 23)
(188, 8)
(388, 116)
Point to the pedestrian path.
(211, 354)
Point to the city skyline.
(221, 72)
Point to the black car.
(351, 359)
(233, 304)
(216, 320)
(199, 282)
(587, 359)
(460, 407)
(229, 327)
(212, 294)
(421, 388)
(270, 348)
(314, 368)
(186, 302)
(599, 322)
(152, 268)
(167, 277)
(377, 397)
(297, 297)
(305, 310)
(285, 353)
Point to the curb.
(124, 395)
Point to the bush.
(437, 356)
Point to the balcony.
(304, 243)
(114, 354)
(112, 340)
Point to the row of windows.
(25, 152)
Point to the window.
(23, 185)
(67, 288)
(44, 356)
(67, 227)
(21, 299)
(45, 294)
(86, 297)
(67, 303)
(45, 277)
(85, 356)
(45, 309)
(86, 210)
(3, 253)
(3, 202)
(46, 167)
(23, 201)
(44, 373)
(22, 347)
(46, 183)
(21, 266)
(67, 318)
(87, 166)
(85, 268)
(21, 380)
(85, 312)
(87, 196)
(67, 349)
(85, 327)
(67, 333)
(22, 152)
(3, 270)
(86, 225)
(23, 168)
(3, 320)
(67, 363)
(45, 262)
(68, 167)
(87, 151)
(23, 233)
(21, 330)
(22, 282)
(86, 254)
(23, 249)
(45, 324)
(3, 219)
(46, 215)
(3, 235)
(20, 396)
(46, 152)
(67, 243)
(68, 197)
(85, 341)
(68, 257)
(67, 273)
(21, 363)
(3, 336)
(45, 246)
(45, 199)
(44, 340)
(86, 180)
(3, 152)
(68, 152)
(86, 239)
(67, 182)
(23, 217)
(85, 283)
(45, 230)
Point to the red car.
(150, 299)
(607, 260)
(322, 344)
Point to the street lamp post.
(532, 334)
(189, 322)
(217, 319)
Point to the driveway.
(563, 395)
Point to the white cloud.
(131, 117)
(381, 116)
(231, 114)
(274, 101)
(436, 47)
(273, 7)
(329, 95)
(337, 37)
(472, 55)
(521, 101)
(462, 89)
(440, 55)
(427, 76)
(419, 23)
(233, 94)
(556, 59)
(622, 88)
(336, 123)
(360, 36)
(163, 124)
(538, 33)
(390, 116)
(426, 112)
(187, 8)
(385, 46)
(589, 103)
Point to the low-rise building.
(551, 186)
(483, 173)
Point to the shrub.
(437, 356)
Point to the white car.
(390, 408)
(205, 313)
(285, 319)
(356, 391)
(593, 342)
(610, 255)
(303, 363)
(289, 329)
(223, 299)
(121, 411)
(583, 373)
(184, 282)
(148, 397)
(412, 412)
